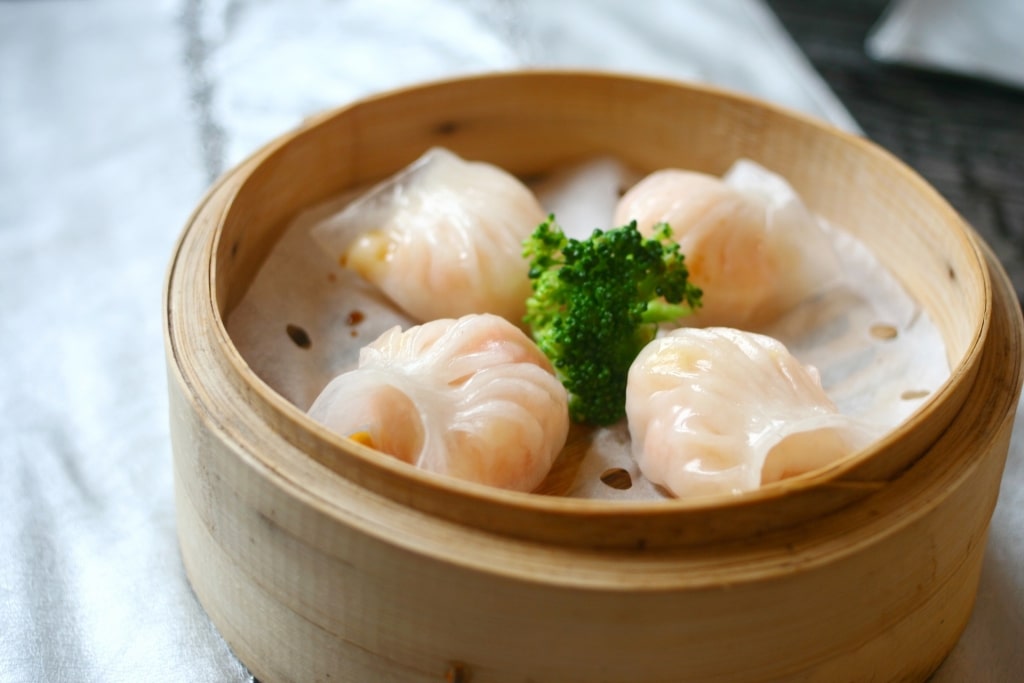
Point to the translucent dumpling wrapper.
(750, 243)
(473, 398)
(442, 238)
(722, 411)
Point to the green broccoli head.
(597, 302)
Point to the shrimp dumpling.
(723, 411)
(473, 398)
(750, 244)
(441, 239)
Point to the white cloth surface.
(114, 117)
(978, 38)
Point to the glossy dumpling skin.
(721, 411)
(473, 398)
(441, 239)
(751, 246)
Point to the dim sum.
(441, 239)
(473, 398)
(750, 244)
(722, 411)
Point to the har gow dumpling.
(442, 239)
(723, 411)
(473, 398)
(750, 244)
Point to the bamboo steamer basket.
(318, 559)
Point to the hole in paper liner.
(299, 336)
(617, 478)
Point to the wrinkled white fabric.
(977, 38)
(99, 168)
(114, 117)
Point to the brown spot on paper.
(912, 394)
(882, 331)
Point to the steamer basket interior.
(529, 124)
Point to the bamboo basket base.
(880, 590)
(321, 562)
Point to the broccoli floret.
(597, 302)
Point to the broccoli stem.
(660, 311)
